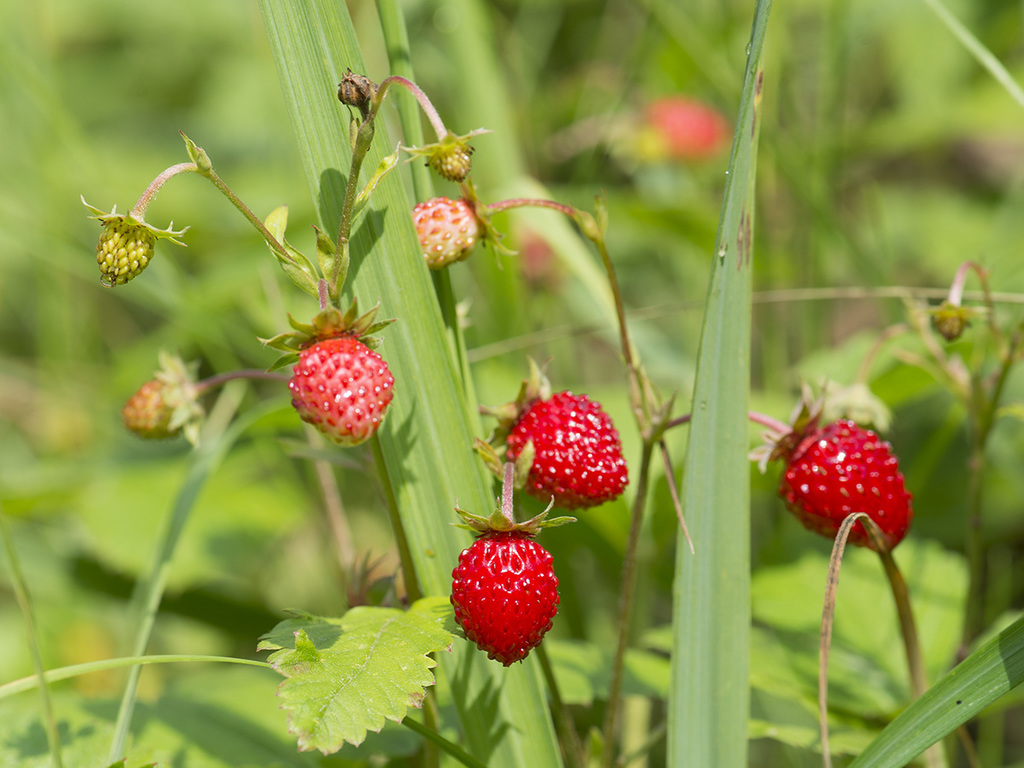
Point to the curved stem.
(139, 209)
(864, 370)
(421, 97)
(611, 718)
(530, 202)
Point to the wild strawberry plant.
(665, 666)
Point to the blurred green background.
(888, 156)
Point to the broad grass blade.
(709, 697)
(424, 447)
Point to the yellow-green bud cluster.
(125, 248)
(452, 160)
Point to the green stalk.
(25, 604)
(90, 667)
(215, 441)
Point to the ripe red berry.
(343, 388)
(447, 230)
(686, 129)
(505, 594)
(578, 455)
(841, 469)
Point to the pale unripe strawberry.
(148, 414)
(447, 230)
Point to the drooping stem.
(139, 209)
(420, 96)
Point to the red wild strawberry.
(504, 589)
(447, 230)
(577, 453)
(840, 469)
(505, 594)
(682, 128)
(343, 388)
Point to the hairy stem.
(139, 209)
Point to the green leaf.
(978, 681)
(709, 696)
(347, 676)
(300, 269)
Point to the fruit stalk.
(139, 209)
(611, 719)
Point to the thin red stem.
(419, 95)
(139, 209)
(507, 487)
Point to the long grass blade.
(709, 696)
(978, 681)
(425, 445)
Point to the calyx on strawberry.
(834, 471)
(167, 405)
(339, 384)
(504, 588)
(565, 447)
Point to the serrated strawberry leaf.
(347, 675)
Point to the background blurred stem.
(216, 438)
(21, 594)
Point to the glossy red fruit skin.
(343, 388)
(505, 594)
(843, 468)
(578, 455)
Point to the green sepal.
(383, 169)
(299, 268)
(496, 521)
(329, 323)
(105, 218)
(198, 156)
